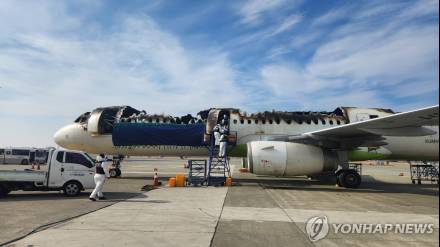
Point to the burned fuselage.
(123, 127)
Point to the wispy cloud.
(57, 62)
(367, 58)
(287, 24)
(49, 74)
(252, 10)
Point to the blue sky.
(59, 59)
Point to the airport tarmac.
(256, 211)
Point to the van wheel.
(72, 188)
(25, 162)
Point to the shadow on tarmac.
(369, 186)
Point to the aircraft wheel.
(118, 172)
(113, 173)
(350, 179)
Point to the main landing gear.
(349, 178)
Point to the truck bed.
(22, 176)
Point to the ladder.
(218, 168)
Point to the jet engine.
(276, 158)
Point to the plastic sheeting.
(142, 134)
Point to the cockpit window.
(83, 118)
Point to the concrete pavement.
(162, 217)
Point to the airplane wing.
(371, 132)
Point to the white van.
(70, 171)
(15, 156)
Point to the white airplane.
(275, 143)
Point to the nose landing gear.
(115, 171)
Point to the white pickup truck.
(70, 171)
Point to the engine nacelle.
(276, 158)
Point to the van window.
(20, 152)
(2, 151)
(77, 158)
(60, 156)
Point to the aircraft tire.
(113, 172)
(118, 172)
(350, 179)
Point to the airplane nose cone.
(61, 137)
(68, 137)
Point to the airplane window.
(338, 122)
(374, 116)
(264, 121)
(300, 122)
(309, 121)
(323, 122)
(76, 158)
(277, 121)
(157, 120)
(249, 121)
(288, 122)
(256, 121)
(331, 122)
(82, 118)
(270, 121)
(316, 121)
(235, 121)
(60, 156)
(242, 121)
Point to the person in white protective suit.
(217, 134)
(102, 172)
(224, 132)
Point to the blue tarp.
(142, 134)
